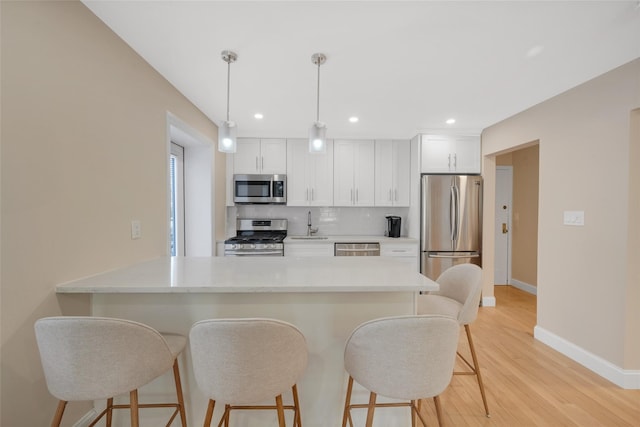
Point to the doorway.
(516, 250)
(503, 207)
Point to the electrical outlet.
(136, 229)
(574, 218)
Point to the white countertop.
(291, 239)
(255, 275)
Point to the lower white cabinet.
(406, 252)
(308, 249)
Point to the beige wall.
(525, 216)
(632, 298)
(84, 151)
(583, 272)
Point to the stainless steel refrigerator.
(451, 222)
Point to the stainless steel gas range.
(257, 237)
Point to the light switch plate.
(136, 229)
(574, 218)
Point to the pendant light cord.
(318, 95)
(228, 85)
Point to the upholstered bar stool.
(407, 358)
(459, 296)
(96, 358)
(241, 362)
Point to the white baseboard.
(488, 301)
(86, 419)
(524, 286)
(624, 378)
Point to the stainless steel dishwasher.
(356, 249)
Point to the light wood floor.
(528, 383)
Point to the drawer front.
(399, 250)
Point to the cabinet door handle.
(257, 168)
(356, 195)
(312, 195)
(455, 160)
(351, 197)
(390, 197)
(449, 160)
(262, 159)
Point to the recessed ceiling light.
(450, 121)
(534, 51)
(258, 116)
(353, 119)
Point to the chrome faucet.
(310, 231)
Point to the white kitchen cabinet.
(353, 173)
(263, 156)
(308, 249)
(309, 176)
(450, 154)
(406, 252)
(392, 173)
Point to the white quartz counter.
(256, 275)
(292, 239)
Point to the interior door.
(504, 190)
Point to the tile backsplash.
(330, 221)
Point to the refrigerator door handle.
(455, 212)
(452, 213)
(446, 255)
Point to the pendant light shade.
(317, 138)
(227, 137)
(227, 131)
(318, 130)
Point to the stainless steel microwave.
(260, 189)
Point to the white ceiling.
(401, 67)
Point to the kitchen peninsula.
(326, 297)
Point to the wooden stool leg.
(413, 413)
(57, 417)
(135, 422)
(280, 409)
(476, 368)
(209, 415)
(436, 401)
(227, 414)
(109, 411)
(347, 402)
(297, 418)
(370, 409)
(176, 378)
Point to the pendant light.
(318, 130)
(227, 131)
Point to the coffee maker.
(394, 226)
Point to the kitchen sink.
(309, 237)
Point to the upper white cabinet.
(309, 176)
(353, 167)
(392, 173)
(450, 154)
(264, 156)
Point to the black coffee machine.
(393, 226)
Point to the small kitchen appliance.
(257, 237)
(260, 189)
(394, 226)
